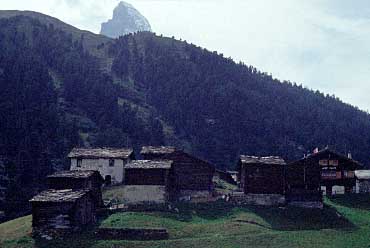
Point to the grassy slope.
(16, 233)
(219, 225)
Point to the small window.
(333, 162)
(323, 162)
(79, 162)
(111, 162)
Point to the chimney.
(349, 155)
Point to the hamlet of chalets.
(166, 175)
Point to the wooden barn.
(91, 180)
(336, 170)
(261, 180)
(148, 181)
(110, 162)
(65, 210)
(192, 176)
(303, 180)
(262, 175)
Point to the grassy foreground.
(345, 222)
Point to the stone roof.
(363, 174)
(149, 164)
(73, 174)
(157, 149)
(262, 160)
(58, 196)
(120, 153)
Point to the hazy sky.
(323, 44)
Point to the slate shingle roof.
(363, 174)
(119, 153)
(58, 196)
(262, 160)
(157, 149)
(149, 164)
(73, 174)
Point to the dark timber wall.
(303, 180)
(263, 179)
(63, 215)
(190, 173)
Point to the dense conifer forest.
(61, 87)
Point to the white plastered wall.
(102, 165)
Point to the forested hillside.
(224, 109)
(61, 87)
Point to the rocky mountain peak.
(126, 19)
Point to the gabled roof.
(118, 153)
(262, 160)
(149, 164)
(157, 149)
(74, 174)
(363, 174)
(58, 196)
(177, 155)
(330, 153)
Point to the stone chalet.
(110, 162)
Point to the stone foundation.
(195, 195)
(318, 205)
(144, 194)
(258, 199)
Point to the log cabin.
(64, 210)
(90, 180)
(110, 162)
(192, 176)
(148, 182)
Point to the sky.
(321, 44)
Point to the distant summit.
(126, 19)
